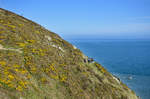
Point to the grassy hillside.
(38, 64)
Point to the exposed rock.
(48, 37)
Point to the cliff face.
(38, 64)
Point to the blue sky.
(87, 18)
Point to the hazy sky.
(100, 18)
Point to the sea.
(127, 59)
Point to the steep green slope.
(38, 64)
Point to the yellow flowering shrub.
(2, 63)
(21, 44)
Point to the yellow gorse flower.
(31, 41)
(19, 88)
(11, 77)
(21, 44)
(2, 63)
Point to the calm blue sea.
(127, 59)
